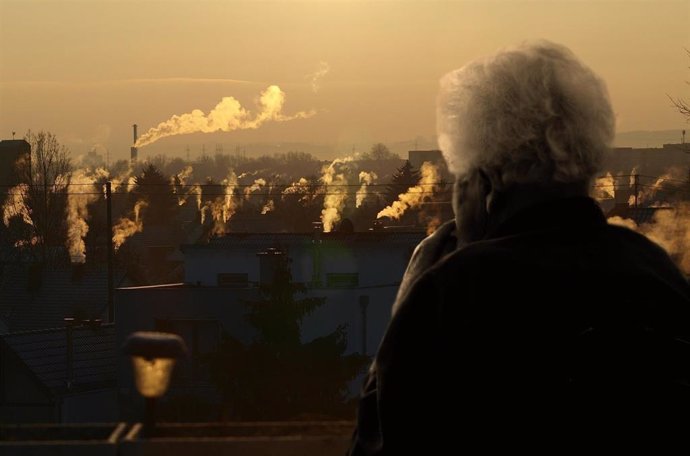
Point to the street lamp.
(153, 358)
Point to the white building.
(357, 273)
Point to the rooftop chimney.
(134, 151)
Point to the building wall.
(376, 262)
(14, 155)
(649, 161)
(22, 400)
(98, 406)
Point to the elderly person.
(529, 317)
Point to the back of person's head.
(533, 114)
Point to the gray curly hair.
(530, 114)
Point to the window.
(233, 279)
(342, 280)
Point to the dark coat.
(556, 325)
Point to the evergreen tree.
(404, 178)
(276, 376)
(156, 189)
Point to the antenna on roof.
(14, 132)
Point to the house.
(15, 161)
(64, 374)
(357, 274)
(33, 296)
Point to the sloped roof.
(44, 352)
(62, 293)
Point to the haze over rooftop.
(88, 70)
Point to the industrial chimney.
(133, 151)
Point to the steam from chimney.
(268, 207)
(428, 183)
(224, 207)
(14, 205)
(228, 115)
(196, 191)
(179, 182)
(321, 71)
(647, 194)
(433, 223)
(670, 229)
(366, 179)
(126, 227)
(255, 187)
(604, 187)
(335, 185)
(301, 187)
(77, 213)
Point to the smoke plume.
(179, 182)
(648, 193)
(301, 187)
(268, 207)
(255, 187)
(77, 213)
(366, 179)
(604, 187)
(15, 207)
(223, 206)
(126, 227)
(335, 184)
(670, 229)
(428, 183)
(228, 115)
(321, 71)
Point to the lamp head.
(153, 358)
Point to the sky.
(88, 70)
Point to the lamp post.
(153, 358)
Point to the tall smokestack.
(134, 151)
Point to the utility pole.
(109, 223)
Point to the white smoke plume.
(196, 191)
(179, 182)
(301, 187)
(335, 184)
(670, 229)
(321, 71)
(428, 183)
(77, 213)
(228, 115)
(432, 224)
(15, 205)
(255, 187)
(223, 207)
(648, 193)
(127, 227)
(366, 179)
(604, 187)
(268, 207)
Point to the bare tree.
(379, 151)
(682, 105)
(47, 178)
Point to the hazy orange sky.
(87, 70)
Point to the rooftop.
(44, 352)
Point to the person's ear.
(485, 189)
(470, 205)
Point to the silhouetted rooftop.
(38, 299)
(44, 352)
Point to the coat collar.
(562, 213)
